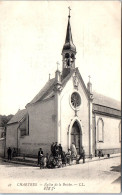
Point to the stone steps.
(22, 162)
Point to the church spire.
(68, 34)
(68, 51)
(69, 41)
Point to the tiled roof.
(106, 101)
(18, 116)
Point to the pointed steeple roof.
(69, 33)
(69, 41)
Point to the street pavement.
(101, 176)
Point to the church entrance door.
(76, 136)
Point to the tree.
(4, 119)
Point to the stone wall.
(11, 135)
(41, 128)
(2, 147)
(111, 133)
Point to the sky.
(32, 35)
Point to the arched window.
(120, 131)
(100, 130)
(24, 125)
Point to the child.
(68, 156)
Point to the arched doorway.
(76, 136)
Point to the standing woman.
(73, 150)
(9, 151)
(40, 154)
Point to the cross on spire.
(57, 64)
(49, 76)
(89, 78)
(69, 11)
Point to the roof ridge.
(105, 96)
(18, 116)
(41, 94)
(106, 101)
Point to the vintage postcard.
(60, 109)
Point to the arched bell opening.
(67, 60)
(72, 58)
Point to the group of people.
(11, 153)
(56, 149)
(58, 157)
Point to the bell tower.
(68, 51)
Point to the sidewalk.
(33, 161)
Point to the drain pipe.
(17, 139)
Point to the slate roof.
(106, 101)
(45, 91)
(18, 116)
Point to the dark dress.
(9, 153)
(63, 158)
(60, 150)
(52, 149)
(40, 154)
(56, 151)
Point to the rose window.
(75, 100)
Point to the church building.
(64, 111)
